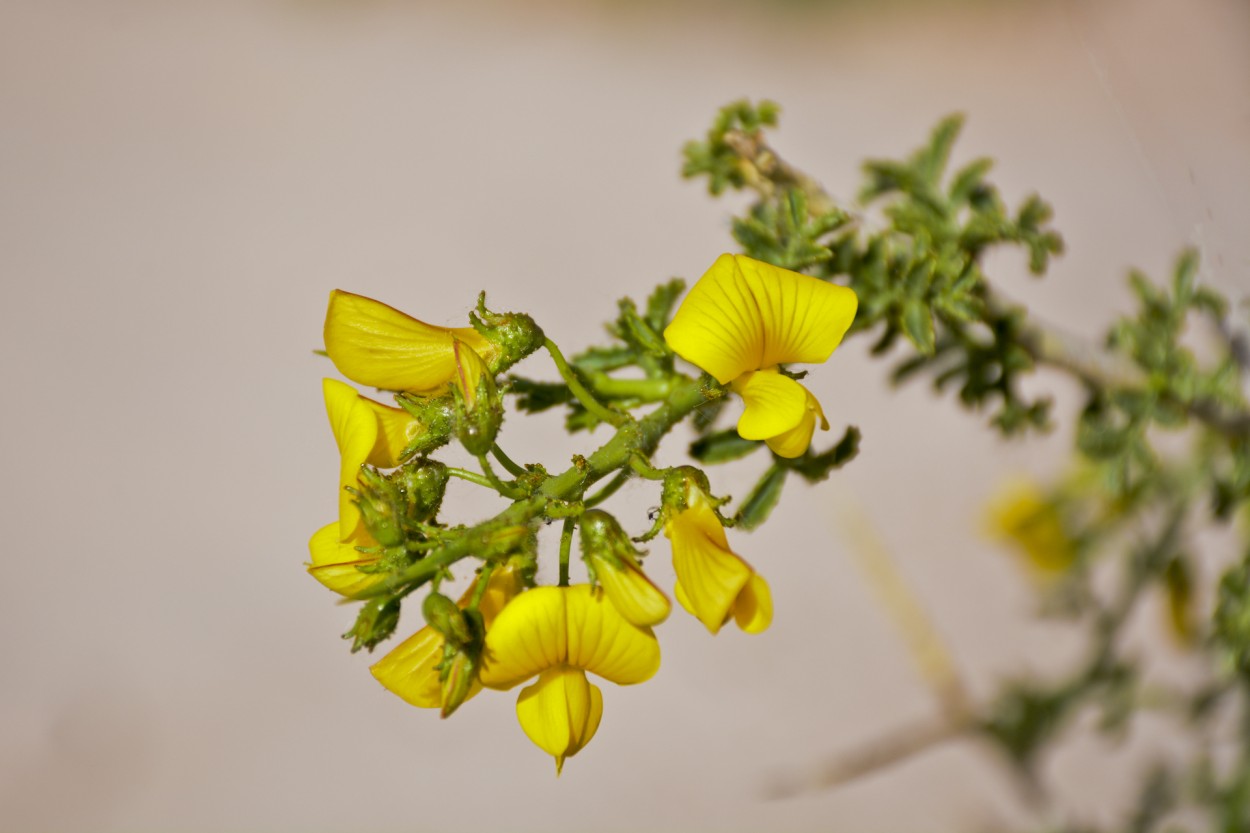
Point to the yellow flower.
(558, 634)
(376, 345)
(411, 670)
(713, 583)
(1025, 517)
(613, 562)
(742, 320)
(366, 432)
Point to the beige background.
(181, 184)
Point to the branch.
(765, 171)
(881, 753)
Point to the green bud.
(458, 673)
(422, 484)
(613, 564)
(678, 484)
(479, 415)
(446, 617)
(375, 623)
(378, 500)
(437, 417)
(514, 333)
(603, 540)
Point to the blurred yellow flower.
(377, 345)
(411, 669)
(1023, 516)
(742, 320)
(366, 432)
(558, 634)
(713, 582)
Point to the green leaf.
(816, 467)
(722, 447)
(660, 303)
(918, 325)
(760, 502)
(534, 397)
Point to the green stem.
(622, 477)
(584, 396)
(472, 477)
(644, 468)
(566, 547)
(647, 390)
(641, 436)
(506, 461)
(479, 589)
(498, 485)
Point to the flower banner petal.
(575, 626)
(803, 318)
(377, 345)
(718, 326)
(603, 642)
(744, 314)
(529, 636)
(774, 403)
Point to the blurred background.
(181, 184)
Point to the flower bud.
(682, 485)
(377, 499)
(479, 411)
(375, 623)
(457, 679)
(514, 334)
(613, 562)
(422, 484)
(436, 415)
(446, 617)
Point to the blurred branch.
(930, 654)
(898, 745)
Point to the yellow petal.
(356, 433)
(604, 643)
(469, 371)
(396, 429)
(746, 315)
(377, 345)
(631, 592)
(334, 562)
(794, 442)
(504, 585)
(774, 403)
(560, 713)
(410, 670)
(528, 637)
(709, 574)
(753, 610)
(551, 626)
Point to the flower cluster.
(740, 324)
